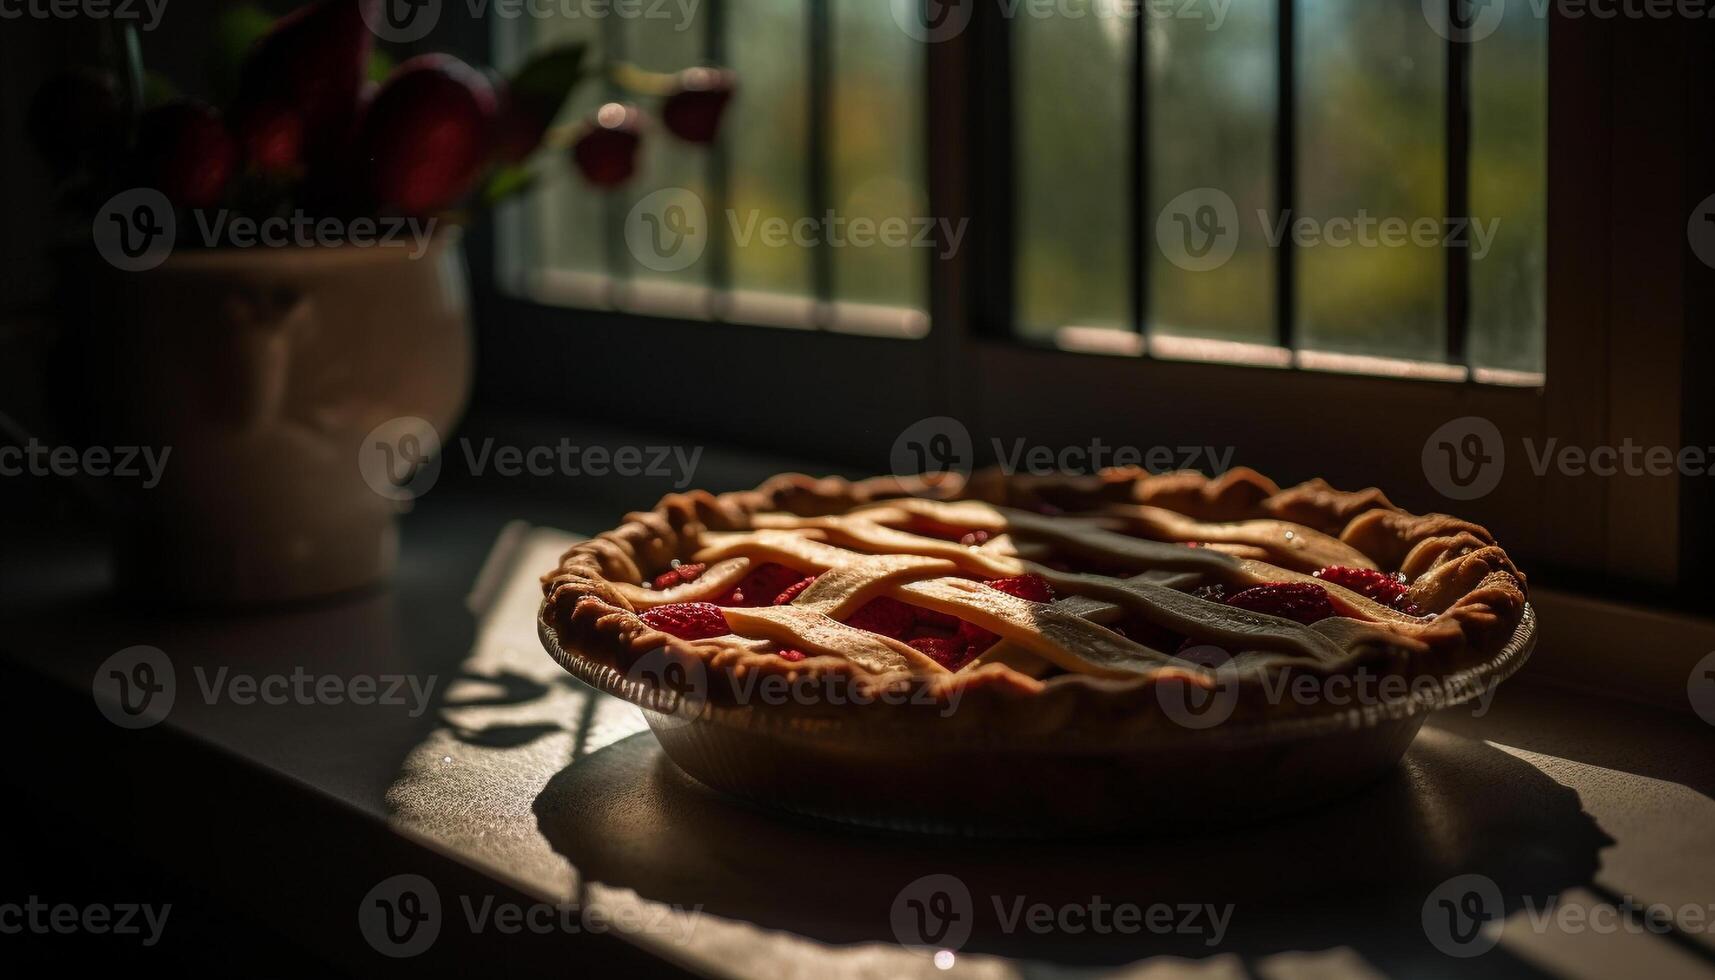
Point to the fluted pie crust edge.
(1473, 594)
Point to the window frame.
(1629, 156)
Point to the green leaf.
(380, 65)
(535, 95)
(548, 78)
(158, 89)
(506, 182)
(133, 65)
(236, 29)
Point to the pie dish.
(871, 650)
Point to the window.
(1297, 165)
(1331, 135)
(826, 136)
(1081, 148)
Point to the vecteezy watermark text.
(401, 917)
(145, 13)
(1700, 688)
(138, 229)
(400, 459)
(1199, 230)
(34, 915)
(407, 21)
(669, 230)
(937, 912)
(680, 693)
(1018, 456)
(1199, 706)
(1465, 458)
(300, 230)
(682, 12)
(137, 687)
(942, 444)
(1468, 21)
(941, 20)
(566, 458)
(35, 458)
(838, 231)
(1466, 916)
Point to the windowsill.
(1207, 350)
(520, 784)
(1618, 650)
(747, 307)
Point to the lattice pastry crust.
(1115, 547)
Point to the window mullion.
(819, 176)
(718, 167)
(1138, 152)
(613, 204)
(1286, 171)
(1458, 161)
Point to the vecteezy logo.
(135, 687)
(937, 444)
(668, 230)
(1198, 706)
(401, 916)
(1198, 230)
(135, 229)
(400, 459)
(933, 912)
(401, 21)
(1700, 688)
(1700, 230)
(932, 21)
(1455, 913)
(1464, 21)
(675, 687)
(1464, 458)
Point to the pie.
(1035, 603)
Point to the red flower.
(606, 153)
(693, 110)
(184, 152)
(428, 134)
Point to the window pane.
(1212, 109)
(876, 153)
(564, 216)
(1509, 87)
(765, 134)
(1072, 77)
(666, 44)
(1370, 159)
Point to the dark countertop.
(505, 783)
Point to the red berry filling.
(792, 591)
(1301, 602)
(929, 619)
(688, 620)
(761, 586)
(792, 656)
(886, 616)
(974, 638)
(679, 575)
(1033, 587)
(944, 650)
(1371, 584)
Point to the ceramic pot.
(264, 371)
